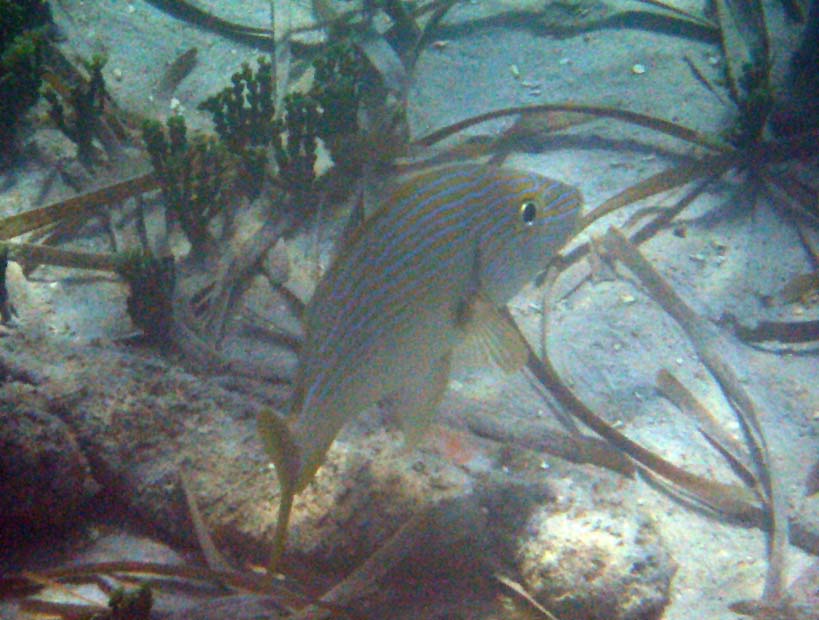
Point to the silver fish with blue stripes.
(422, 278)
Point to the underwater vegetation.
(243, 113)
(337, 89)
(23, 26)
(151, 281)
(129, 604)
(295, 143)
(245, 119)
(6, 307)
(78, 110)
(273, 151)
(194, 175)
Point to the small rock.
(44, 477)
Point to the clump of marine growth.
(78, 112)
(22, 35)
(193, 175)
(151, 281)
(755, 101)
(337, 89)
(295, 143)
(244, 117)
(254, 147)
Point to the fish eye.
(528, 213)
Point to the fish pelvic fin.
(284, 453)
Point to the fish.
(423, 279)
(177, 71)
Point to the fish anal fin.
(490, 336)
(416, 402)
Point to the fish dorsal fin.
(416, 402)
(489, 336)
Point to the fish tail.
(284, 453)
(282, 524)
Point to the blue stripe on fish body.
(386, 307)
(417, 279)
(403, 251)
(414, 214)
(391, 237)
(423, 217)
(429, 252)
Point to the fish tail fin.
(283, 451)
(282, 524)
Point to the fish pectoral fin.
(491, 336)
(416, 402)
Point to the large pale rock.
(598, 563)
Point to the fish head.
(536, 219)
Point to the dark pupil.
(528, 212)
